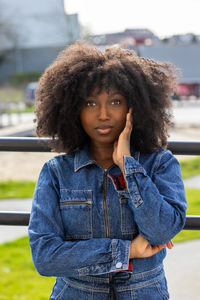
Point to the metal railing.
(26, 144)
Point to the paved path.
(182, 268)
(193, 182)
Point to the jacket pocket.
(76, 212)
(128, 225)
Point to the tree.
(9, 36)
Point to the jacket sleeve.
(158, 203)
(54, 256)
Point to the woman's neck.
(102, 154)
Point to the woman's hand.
(122, 145)
(141, 248)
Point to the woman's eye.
(90, 103)
(115, 102)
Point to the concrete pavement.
(192, 182)
(182, 268)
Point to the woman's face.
(103, 116)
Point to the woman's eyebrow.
(115, 93)
(90, 98)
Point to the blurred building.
(32, 33)
(181, 50)
(182, 39)
(186, 58)
(129, 37)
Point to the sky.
(163, 17)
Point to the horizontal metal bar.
(192, 223)
(22, 219)
(25, 144)
(33, 144)
(14, 218)
(185, 148)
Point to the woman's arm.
(159, 206)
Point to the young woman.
(104, 212)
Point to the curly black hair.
(146, 84)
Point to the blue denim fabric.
(82, 224)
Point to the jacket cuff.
(131, 166)
(119, 260)
(133, 169)
(121, 253)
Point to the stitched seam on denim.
(146, 273)
(114, 247)
(133, 296)
(129, 232)
(85, 270)
(160, 156)
(90, 162)
(161, 292)
(93, 279)
(141, 284)
(85, 236)
(64, 189)
(137, 156)
(136, 170)
(139, 201)
(86, 287)
(149, 272)
(62, 291)
(75, 162)
(127, 252)
(53, 289)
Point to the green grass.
(193, 201)
(16, 189)
(18, 277)
(190, 167)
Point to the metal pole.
(22, 219)
(14, 218)
(32, 144)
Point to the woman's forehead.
(109, 90)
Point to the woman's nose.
(103, 113)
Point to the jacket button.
(118, 265)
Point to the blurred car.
(30, 93)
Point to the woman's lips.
(104, 129)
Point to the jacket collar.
(83, 158)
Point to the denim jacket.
(84, 218)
